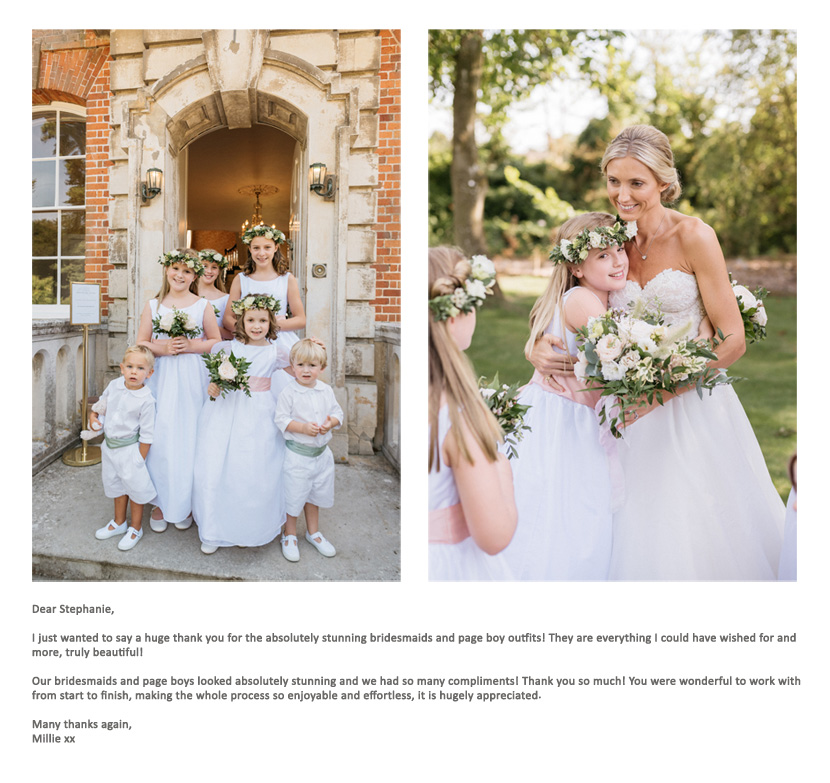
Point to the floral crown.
(211, 256)
(255, 302)
(575, 251)
(269, 232)
(178, 257)
(472, 295)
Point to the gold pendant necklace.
(643, 255)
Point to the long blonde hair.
(165, 286)
(450, 371)
(562, 278)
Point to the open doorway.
(229, 174)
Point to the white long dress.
(178, 385)
(278, 288)
(699, 502)
(453, 555)
(237, 439)
(562, 482)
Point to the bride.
(699, 503)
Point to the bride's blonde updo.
(448, 269)
(652, 148)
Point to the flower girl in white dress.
(237, 437)
(561, 473)
(472, 513)
(212, 286)
(266, 272)
(177, 383)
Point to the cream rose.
(227, 371)
(609, 347)
(166, 322)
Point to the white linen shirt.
(307, 404)
(129, 411)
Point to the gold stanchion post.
(85, 309)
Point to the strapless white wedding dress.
(699, 502)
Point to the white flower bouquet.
(636, 359)
(751, 305)
(229, 373)
(502, 400)
(176, 324)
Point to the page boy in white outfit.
(306, 413)
(129, 414)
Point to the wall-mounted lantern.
(152, 187)
(321, 184)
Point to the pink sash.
(258, 384)
(447, 525)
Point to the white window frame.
(58, 311)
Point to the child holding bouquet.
(236, 432)
(564, 529)
(177, 327)
(129, 412)
(472, 513)
(266, 272)
(306, 413)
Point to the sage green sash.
(117, 443)
(306, 451)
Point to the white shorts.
(308, 480)
(124, 472)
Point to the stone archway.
(234, 79)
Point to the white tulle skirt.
(465, 562)
(562, 486)
(699, 503)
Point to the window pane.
(44, 281)
(72, 233)
(72, 271)
(72, 178)
(73, 135)
(43, 183)
(44, 233)
(44, 136)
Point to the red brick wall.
(74, 68)
(388, 228)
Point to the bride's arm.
(702, 250)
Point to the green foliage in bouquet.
(229, 373)
(176, 324)
(753, 312)
(637, 360)
(502, 400)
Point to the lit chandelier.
(256, 190)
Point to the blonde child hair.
(306, 350)
(562, 278)
(165, 286)
(450, 371)
(144, 351)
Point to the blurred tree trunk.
(469, 180)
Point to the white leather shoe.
(323, 545)
(290, 550)
(110, 530)
(130, 539)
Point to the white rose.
(760, 316)
(641, 333)
(565, 246)
(609, 347)
(612, 371)
(631, 229)
(745, 297)
(189, 323)
(227, 370)
(629, 360)
(476, 289)
(248, 301)
(166, 322)
(595, 239)
(217, 257)
(483, 268)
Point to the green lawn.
(768, 394)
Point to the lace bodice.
(674, 292)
